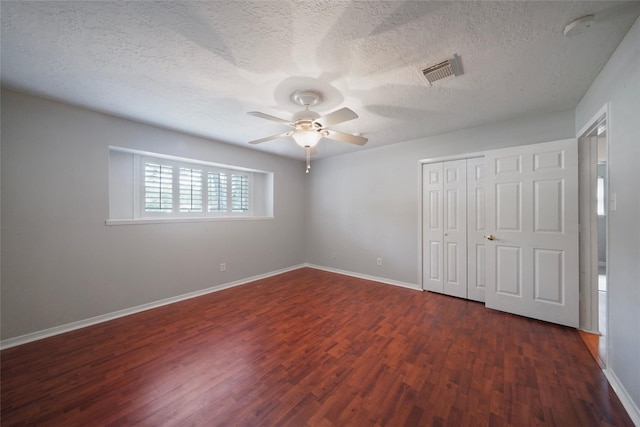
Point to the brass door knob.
(489, 237)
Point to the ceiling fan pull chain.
(307, 149)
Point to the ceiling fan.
(309, 127)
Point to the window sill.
(180, 220)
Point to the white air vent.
(442, 71)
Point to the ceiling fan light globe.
(306, 138)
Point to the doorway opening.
(593, 241)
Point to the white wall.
(618, 84)
(366, 205)
(61, 263)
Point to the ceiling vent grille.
(443, 71)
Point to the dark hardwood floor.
(310, 348)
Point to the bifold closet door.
(476, 229)
(445, 228)
(432, 227)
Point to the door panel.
(509, 209)
(548, 275)
(452, 263)
(434, 261)
(476, 228)
(532, 209)
(444, 228)
(433, 227)
(547, 200)
(509, 270)
(455, 228)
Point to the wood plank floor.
(593, 343)
(310, 348)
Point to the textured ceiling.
(199, 67)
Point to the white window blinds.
(191, 186)
(239, 193)
(158, 188)
(217, 192)
(180, 189)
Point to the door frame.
(589, 289)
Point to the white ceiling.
(198, 67)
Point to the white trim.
(34, 336)
(182, 159)
(162, 220)
(625, 399)
(589, 124)
(420, 225)
(462, 156)
(366, 277)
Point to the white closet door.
(476, 229)
(445, 228)
(532, 261)
(432, 227)
(455, 228)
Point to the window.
(143, 186)
(158, 194)
(239, 193)
(191, 190)
(600, 196)
(217, 191)
(174, 188)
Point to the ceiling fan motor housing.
(306, 98)
(305, 115)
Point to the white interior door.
(455, 228)
(476, 229)
(432, 227)
(532, 213)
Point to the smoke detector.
(444, 70)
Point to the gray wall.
(61, 263)
(366, 205)
(619, 85)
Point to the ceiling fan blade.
(268, 117)
(338, 116)
(345, 137)
(269, 138)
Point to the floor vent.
(443, 71)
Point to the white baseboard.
(625, 399)
(57, 330)
(366, 277)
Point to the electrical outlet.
(223, 266)
(379, 261)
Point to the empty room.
(320, 213)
